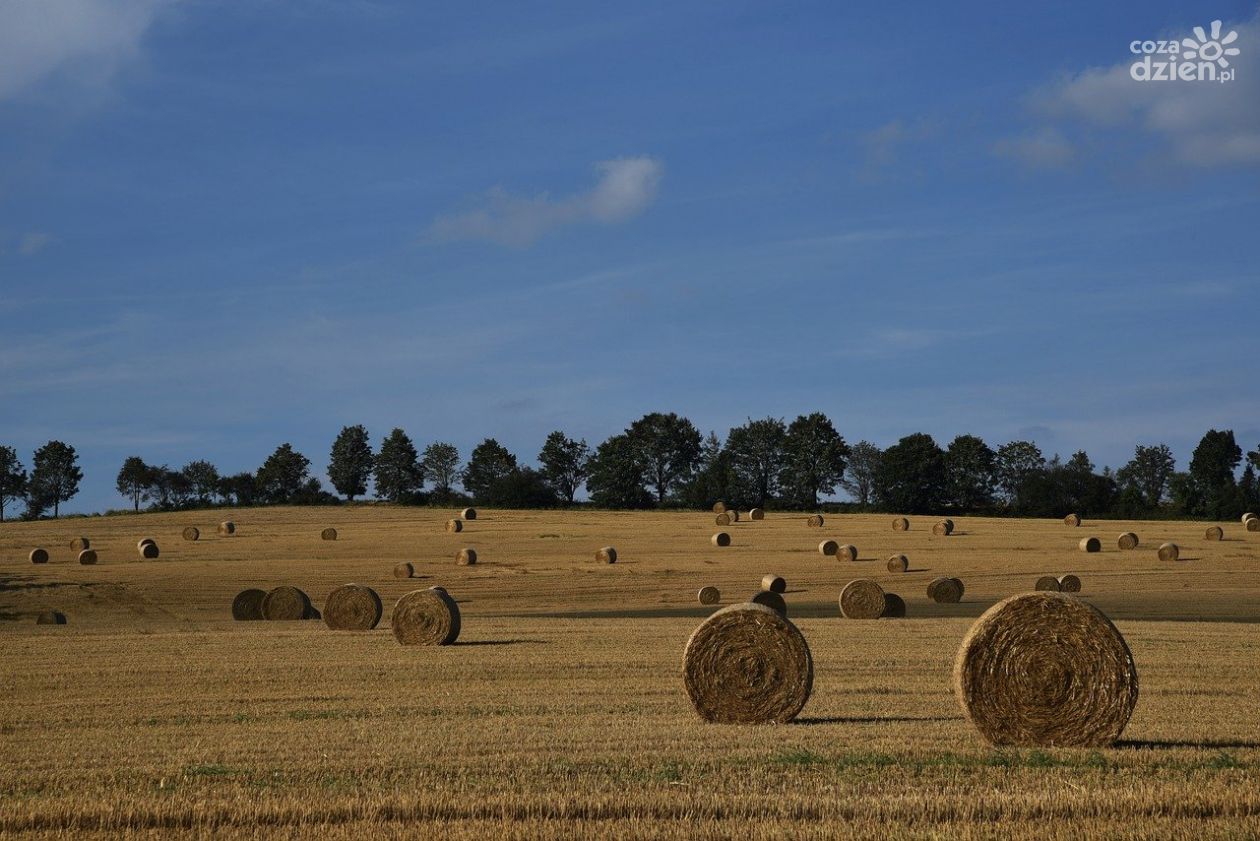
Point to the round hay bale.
(404, 570)
(1073, 520)
(192, 533)
(466, 557)
(770, 599)
(815, 522)
(352, 607)
(756, 514)
(942, 529)
(828, 548)
(1214, 533)
(248, 605)
(734, 515)
(39, 556)
(1126, 541)
(719, 508)
(149, 551)
(51, 617)
(1069, 583)
(900, 524)
(1046, 669)
(1090, 544)
(454, 526)
(958, 582)
(747, 664)
(722, 519)
(286, 603)
(142, 542)
(468, 514)
(438, 587)
(1048, 583)
(87, 557)
(720, 539)
(606, 555)
(773, 583)
(847, 552)
(898, 563)
(1253, 524)
(1169, 552)
(709, 595)
(328, 534)
(945, 590)
(894, 607)
(862, 598)
(80, 543)
(227, 527)
(1248, 516)
(426, 617)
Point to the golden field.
(561, 713)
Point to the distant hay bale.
(404, 570)
(958, 582)
(756, 514)
(1048, 583)
(770, 599)
(39, 556)
(734, 515)
(773, 583)
(352, 607)
(1046, 669)
(469, 514)
(606, 555)
(747, 664)
(1248, 516)
(466, 557)
(719, 508)
(847, 552)
(426, 617)
(862, 598)
(898, 563)
(227, 527)
(894, 607)
(900, 524)
(328, 534)
(1069, 583)
(87, 557)
(140, 544)
(1169, 552)
(1253, 524)
(149, 551)
(248, 605)
(1126, 541)
(1214, 533)
(828, 548)
(454, 526)
(815, 522)
(286, 604)
(709, 595)
(720, 539)
(51, 617)
(192, 533)
(1090, 544)
(940, 529)
(949, 524)
(945, 590)
(722, 519)
(1072, 520)
(80, 543)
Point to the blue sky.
(225, 226)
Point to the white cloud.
(33, 242)
(1042, 148)
(82, 41)
(625, 188)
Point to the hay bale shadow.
(874, 719)
(1173, 744)
(500, 642)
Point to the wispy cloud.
(626, 187)
(33, 242)
(1044, 148)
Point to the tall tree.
(239, 489)
(617, 475)
(911, 475)
(565, 464)
(350, 462)
(757, 457)
(202, 478)
(490, 461)
(861, 471)
(398, 470)
(135, 478)
(1212, 467)
(284, 475)
(1149, 472)
(669, 449)
(55, 475)
(969, 465)
(713, 479)
(12, 478)
(1014, 464)
(170, 490)
(441, 465)
(815, 456)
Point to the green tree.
(757, 458)
(441, 465)
(55, 476)
(565, 464)
(171, 490)
(815, 458)
(861, 472)
(12, 478)
(668, 447)
(1248, 489)
(398, 470)
(522, 488)
(617, 475)
(911, 475)
(1014, 465)
(239, 489)
(283, 475)
(490, 461)
(1149, 472)
(202, 478)
(713, 479)
(969, 466)
(1212, 467)
(350, 462)
(135, 478)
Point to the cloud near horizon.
(626, 187)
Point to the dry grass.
(560, 712)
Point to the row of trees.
(664, 460)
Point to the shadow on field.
(7, 616)
(875, 719)
(1170, 744)
(500, 642)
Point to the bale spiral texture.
(1046, 669)
(286, 603)
(894, 607)
(404, 570)
(328, 534)
(1072, 520)
(1090, 544)
(898, 563)
(87, 557)
(39, 556)
(734, 515)
(945, 590)
(719, 508)
(426, 617)
(1048, 583)
(815, 522)
(606, 555)
(1214, 533)
(80, 543)
(757, 514)
(773, 583)
(900, 524)
(352, 607)
(466, 557)
(192, 533)
(1126, 541)
(943, 529)
(1169, 552)
(770, 599)
(469, 514)
(720, 539)
(709, 595)
(227, 527)
(1253, 524)
(722, 519)
(51, 617)
(1069, 583)
(847, 552)
(149, 551)
(747, 664)
(248, 605)
(828, 548)
(454, 526)
(862, 598)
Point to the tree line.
(663, 460)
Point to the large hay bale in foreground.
(606, 555)
(248, 605)
(227, 527)
(709, 595)
(900, 524)
(722, 519)
(352, 607)
(51, 617)
(1072, 520)
(426, 617)
(1214, 533)
(469, 514)
(286, 604)
(828, 548)
(149, 551)
(1169, 552)
(945, 590)
(720, 539)
(747, 664)
(39, 556)
(1069, 583)
(1090, 544)
(815, 522)
(80, 543)
(773, 583)
(862, 598)
(757, 514)
(466, 557)
(1046, 669)
(719, 508)
(404, 570)
(454, 526)
(191, 534)
(894, 607)
(770, 599)
(847, 552)
(1128, 540)
(328, 534)
(1048, 584)
(87, 557)
(898, 563)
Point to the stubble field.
(561, 712)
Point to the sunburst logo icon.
(1216, 48)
